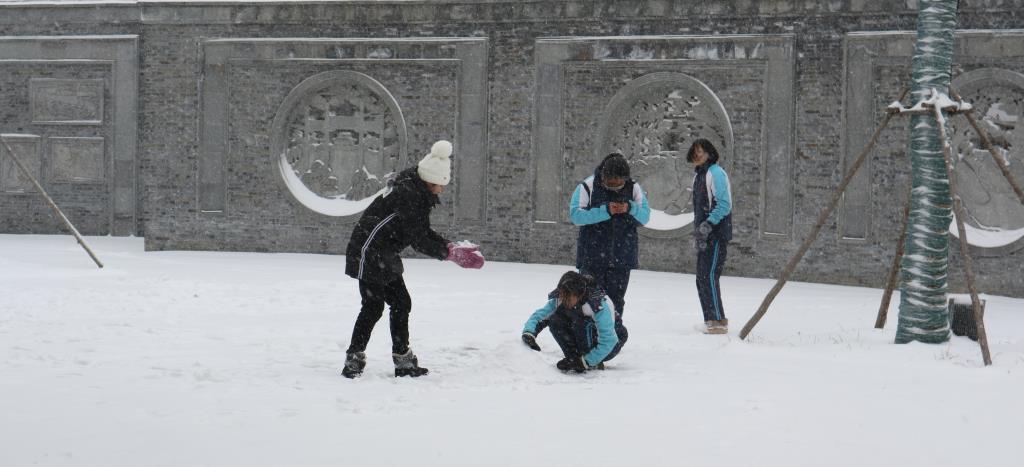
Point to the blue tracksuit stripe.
(714, 292)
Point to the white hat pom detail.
(436, 167)
(442, 149)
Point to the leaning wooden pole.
(894, 270)
(791, 266)
(987, 143)
(958, 211)
(49, 200)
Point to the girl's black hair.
(708, 148)
(573, 283)
(614, 165)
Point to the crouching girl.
(582, 321)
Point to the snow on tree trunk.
(923, 316)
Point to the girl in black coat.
(398, 219)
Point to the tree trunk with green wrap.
(923, 315)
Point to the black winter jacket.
(397, 219)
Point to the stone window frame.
(776, 51)
(52, 173)
(33, 85)
(862, 50)
(470, 140)
(26, 159)
(121, 54)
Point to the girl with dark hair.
(712, 221)
(582, 322)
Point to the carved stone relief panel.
(562, 62)
(995, 219)
(78, 86)
(468, 56)
(652, 121)
(77, 160)
(66, 101)
(338, 137)
(994, 214)
(26, 149)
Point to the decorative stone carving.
(653, 121)
(338, 136)
(66, 101)
(773, 148)
(26, 147)
(995, 215)
(467, 55)
(77, 160)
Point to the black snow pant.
(614, 282)
(576, 334)
(375, 295)
(710, 262)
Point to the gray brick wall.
(260, 216)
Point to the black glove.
(531, 341)
(700, 235)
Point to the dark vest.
(611, 244)
(702, 209)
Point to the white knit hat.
(436, 167)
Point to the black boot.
(407, 364)
(354, 364)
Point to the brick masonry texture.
(261, 216)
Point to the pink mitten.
(466, 255)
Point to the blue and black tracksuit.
(607, 248)
(587, 330)
(712, 202)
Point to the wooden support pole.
(894, 270)
(791, 266)
(958, 211)
(49, 201)
(987, 143)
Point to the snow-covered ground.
(232, 359)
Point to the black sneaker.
(407, 364)
(570, 364)
(354, 364)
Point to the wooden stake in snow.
(894, 270)
(958, 210)
(791, 266)
(53, 205)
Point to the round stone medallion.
(337, 137)
(995, 216)
(653, 121)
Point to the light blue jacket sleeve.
(638, 207)
(606, 337)
(723, 194)
(538, 316)
(584, 216)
